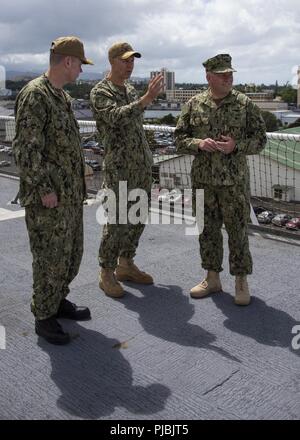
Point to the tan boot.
(211, 284)
(109, 284)
(128, 271)
(242, 295)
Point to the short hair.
(56, 58)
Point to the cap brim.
(86, 61)
(223, 70)
(130, 54)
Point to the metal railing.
(274, 173)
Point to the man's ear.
(68, 61)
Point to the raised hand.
(155, 86)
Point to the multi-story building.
(169, 78)
(260, 96)
(180, 95)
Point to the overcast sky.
(263, 36)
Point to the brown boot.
(210, 284)
(242, 295)
(109, 284)
(128, 271)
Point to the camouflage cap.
(71, 46)
(122, 50)
(219, 64)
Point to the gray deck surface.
(156, 353)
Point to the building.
(271, 106)
(260, 96)
(172, 171)
(169, 78)
(265, 101)
(286, 116)
(180, 95)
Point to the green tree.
(270, 121)
(288, 94)
(169, 119)
(79, 90)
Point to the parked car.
(94, 164)
(5, 149)
(281, 219)
(4, 163)
(90, 144)
(259, 209)
(294, 223)
(174, 197)
(98, 150)
(265, 217)
(171, 149)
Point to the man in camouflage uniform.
(118, 112)
(47, 149)
(220, 127)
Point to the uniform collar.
(208, 100)
(117, 89)
(59, 93)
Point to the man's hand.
(50, 200)
(208, 144)
(227, 146)
(155, 86)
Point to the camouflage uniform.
(47, 149)
(224, 178)
(119, 118)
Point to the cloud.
(261, 35)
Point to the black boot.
(69, 310)
(52, 331)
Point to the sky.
(262, 36)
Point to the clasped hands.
(225, 146)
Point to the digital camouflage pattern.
(237, 116)
(119, 118)
(219, 64)
(228, 205)
(47, 149)
(224, 178)
(127, 157)
(47, 145)
(56, 242)
(121, 240)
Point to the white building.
(269, 178)
(169, 78)
(173, 171)
(285, 116)
(180, 95)
(271, 105)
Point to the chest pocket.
(199, 120)
(200, 125)
(237, 125)
(64, 127)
